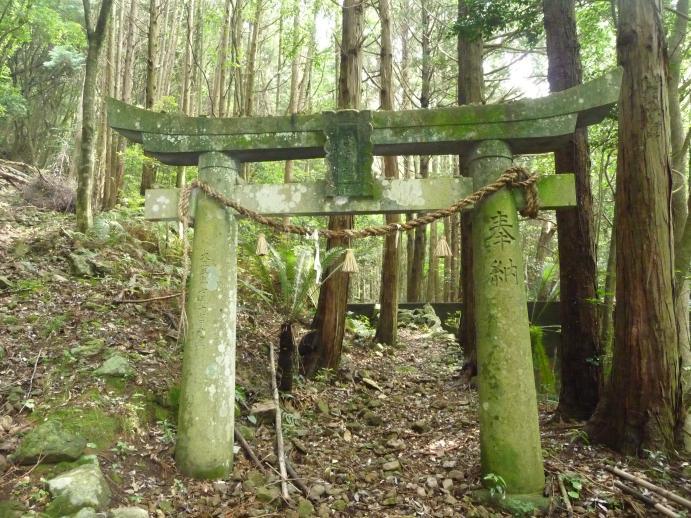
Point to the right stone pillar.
(509, 431)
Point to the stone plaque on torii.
(487, 137)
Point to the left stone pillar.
(204, 447)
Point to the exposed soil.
(392, 433)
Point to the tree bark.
(149, 168)
(470, 90)
(387, 325)
(642, 407)
(580, 354)
(85, 172)
(329, 320)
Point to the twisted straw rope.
(515, 176)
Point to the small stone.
(456, 475)
(264, 411)
(396, 444)
(448, 464)
(89, 349)
(372, 419)
(420, 426)
(116, 366)
(5, 423)
(390, 499)
(391, 466)
(371, 384)
(3, 464)
(80, 264)
(449, 499)
(220, 487)
(340, 505)
(5, 283)
(432, 482)
(305, 508)
(128, 512)
(267, 494)
(316, 491)
(51, 443)
(81, 487)
(447, 483)
(421, 492)
(323, 406)
(247, 432)
(255, 479)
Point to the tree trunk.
(149, 168)
(329, 320)
(251, 60)
(286, 351)
(607, 311)
(387, 325)
(85, 171)
(580, 355)
(642, 407)
(219, 93)
(680, 203)
(470, 90)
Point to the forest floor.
(393, 432)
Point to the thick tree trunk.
(329, 320)
(581, 373)
(470, 90)
(387, 325)
(642, 407)
(85, 170)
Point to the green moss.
(93, 424)
(544, 376)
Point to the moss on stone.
(94, 424)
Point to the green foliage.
(544, 375)
(573, 485)
(495, 484)
(486, 17)
(288, 278)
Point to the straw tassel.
(349, 263)
(443, 248)
(262, 245)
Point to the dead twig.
(649, 501)
(249, 451)
(280, 451)
(648, 485)
(31, 381)
(565, 496)
(141, 301)
(296, 480)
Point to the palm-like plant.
(289, 282)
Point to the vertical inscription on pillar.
(499, 231)
(499, 235)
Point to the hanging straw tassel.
(443, 248)
(349, 263)
(262, 246)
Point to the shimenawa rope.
(515, 176)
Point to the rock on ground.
(78, 488)
(116, 366)
(128, 512)
(51, 443)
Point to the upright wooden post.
(509, 433)
(207, 401)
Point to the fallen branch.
(296, 480)
(249, 451)
(648, 485)
(649, 501)
(565, 496)
(280, 450)
(142, 301)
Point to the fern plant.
(289, 283)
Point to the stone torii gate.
(487, 137)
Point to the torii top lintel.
(529, 126)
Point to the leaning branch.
(648, 485)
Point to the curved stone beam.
(528, 126)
